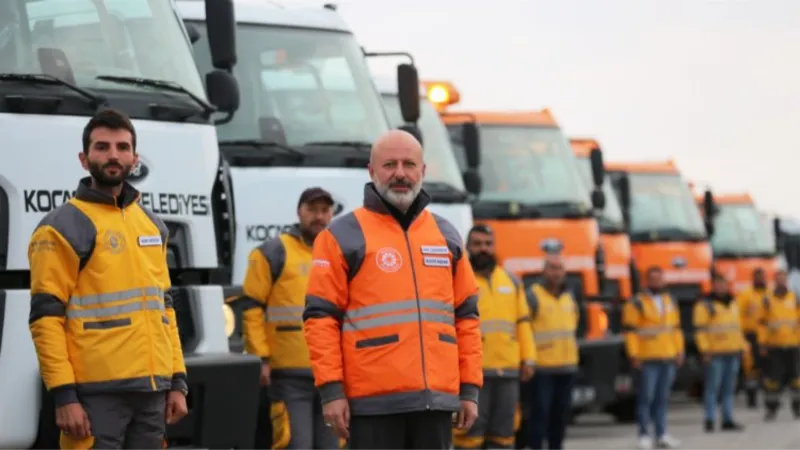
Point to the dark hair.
(480, 228)
(717, 276)
(111, 119)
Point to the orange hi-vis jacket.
(273, 303)
(391, 316)
(101, 318)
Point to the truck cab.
(667, 230)
(443, 180)
(308, 116)
(741, 241)
(60, 62)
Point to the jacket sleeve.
(54, 265)
(257, 287)
(700, 320)
(677, 333)
(630, 327)
(524, 329)
(468, 331)
(327, 297)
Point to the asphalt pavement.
(600, 431)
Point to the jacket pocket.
(444, 337)
(285, 328)
(107, 324)
(378, 341)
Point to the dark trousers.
(782, 369)
(264, 425)
(414, 430)
(550, 403)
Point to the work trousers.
(720, 383)
(652, 400)
(497, 406)
(135, 420)
(781, 369)
(297, 421)
(414, 430)
(752, 376)
(550, 404)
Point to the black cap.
(313, 194)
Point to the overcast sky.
(713, 84)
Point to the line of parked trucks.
(287, 102)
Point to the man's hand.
(265, 374)
(466, 417)
(636, 364)
(176, 407)
(526, 372)
(681, 358)
(763, 351)
(73, 420)
(706, 359)
(337, 416)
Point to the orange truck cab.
(534, 199)
(666, 230)
(741, 240)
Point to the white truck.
(443, 179)
(61, 61)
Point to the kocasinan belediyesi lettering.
(40, 200)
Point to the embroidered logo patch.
(150, 241)
(436, 261)
(505, 289)
(114, 241)
(388, 260)
(434, 250)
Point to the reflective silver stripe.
(128, 294)
(722, 328)
(356, 313)
(284, 314)
(395, 319)
(109, 311)
(654, 331)
(542, 337)
(498, 326)
(773, 324)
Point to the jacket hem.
(405, 402)
(557, 369)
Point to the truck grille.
(685, 295)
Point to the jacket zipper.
(419, 314)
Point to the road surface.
(599, 431)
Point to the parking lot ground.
(599, 431)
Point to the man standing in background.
(749, 302)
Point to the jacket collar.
(295, 232)
(375, 203)
(128, 195)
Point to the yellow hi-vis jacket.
(717, 327)
(651, 334)
(100, 317)
(749, 302)
(780, 321)
(554, 319)
(273, 302)
(505, 325)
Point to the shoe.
(752, 399)
(667, 441)
(732, 426)
(644, 443)
(770, 415)
(709, 426)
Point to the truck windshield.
(439, 159)
(529, 165)
(611, 217)
(299, 86)
(739, 230)
(84, 39)
(662, 205)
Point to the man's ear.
(84, 160)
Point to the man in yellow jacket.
(779, 339)
(554, 319)
(508, 350)
(749, 302)
(272, 321)
(720, 341)
(655, 346)
(102, 322)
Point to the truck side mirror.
(776, 230)
(624, 185)
(408, 92)
(471, 142)
(709, 211)
(191, 30)
(413, 130)
(221, 26)
(472, 181)
(598, 169)
(223, 91)
(598, 199)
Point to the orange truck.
(741, 240)
(535, 201)
(666, 230)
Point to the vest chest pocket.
(107, 324)
(378, 341)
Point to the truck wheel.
(624, 411)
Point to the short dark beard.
(103, 181)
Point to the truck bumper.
(595, 385)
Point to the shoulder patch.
(75, 227)
(533, 301)
(274, 252)
(347, 232)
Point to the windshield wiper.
(358, 145)
(161, 84)
(41, 78)
(446, 191)
(262, 145)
